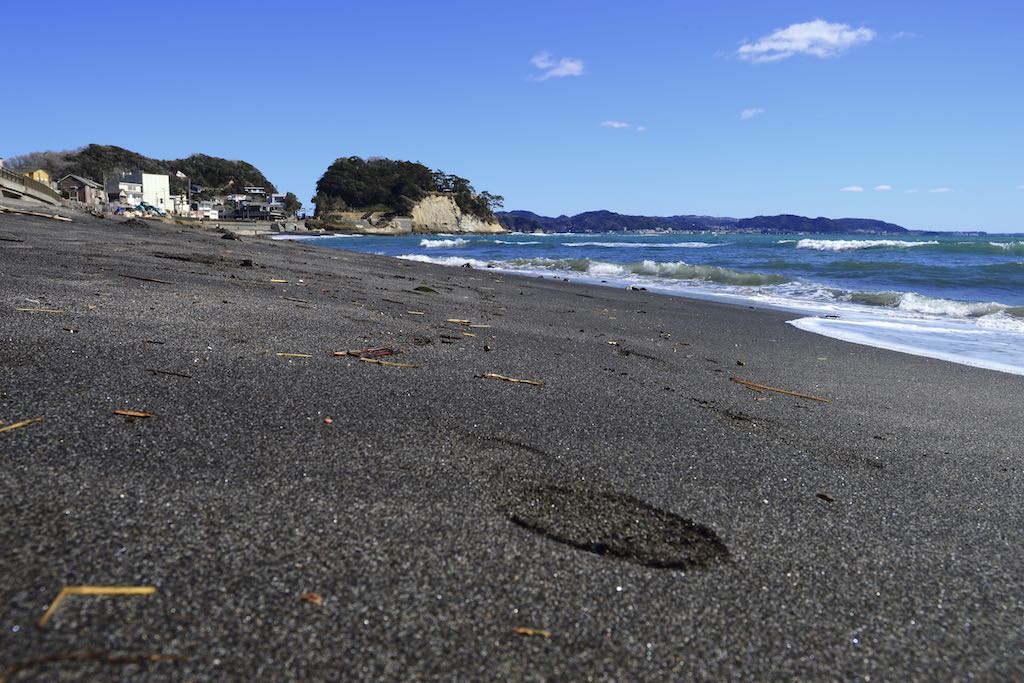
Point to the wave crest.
(642, 245)
(443, 244)
(849, 245)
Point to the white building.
(136, 187)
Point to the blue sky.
(561, 107)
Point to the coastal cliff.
(435, 213)
(387, 197)
(440, 213)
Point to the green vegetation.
(291, 203)
(394, 187)
(215, 175)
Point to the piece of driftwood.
(390, 364)
(282, 354)
(531, 632)
(415, 312)
(765, 387)
(155, 371)
(39, 310)
(145, 279)
(134, 413)
(457, 321)
(278, 281)
(37, 214)
(100, 657)
(369, 352)
(91, 590)
(494, 375)
(21, 423)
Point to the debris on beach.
(415, 312)
(312, 598)
(494, 375)
(38, 310)
(529, 632)
(369, 352)
(98, 657)
(283, 354)
(134, 413)
(20, 424)
(826, 497)
(37, 214)
(301, 301)
(425, 289)
(145, 279)
(277, 281)
(390, 364)
(764, 387)
(156, 371)
(91, 590)
(457, 321)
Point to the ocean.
(952, 297)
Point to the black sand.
(660, 521)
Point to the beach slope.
(634, 514)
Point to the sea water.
(954, 297)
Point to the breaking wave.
(442, 244)
(642, 245)
(849, 245)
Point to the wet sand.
(651, 518)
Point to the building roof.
(84, 181)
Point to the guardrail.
(30, 184)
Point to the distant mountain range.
(608, 221)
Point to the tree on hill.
(394, 187)
(107, 161)
(292, 203)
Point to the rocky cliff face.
(440, 213)
(434, 213)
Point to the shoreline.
(973, 340)
(878, 534)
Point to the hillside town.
(135, 193)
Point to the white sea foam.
(513, 242)
(987, 334)
(849, 245)
(918, 303)
(299, 238)
(959, 341)
(445, 260)
(1007, 246)
(443, 244)
(645, 245)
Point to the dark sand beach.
(650, 517)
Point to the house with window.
(135, 187)
(82, 189)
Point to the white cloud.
(566, 66)
(750, 113)
(941, 190)
(817, 38)
(883, 188)
(851, 188)
(900, 35)
(623, 124)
